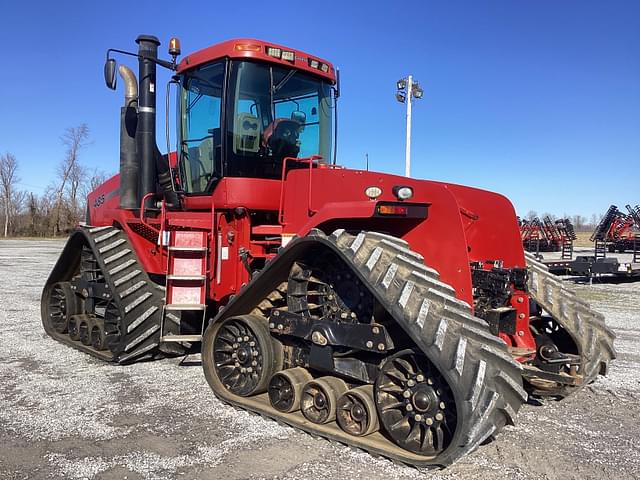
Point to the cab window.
(200, 141)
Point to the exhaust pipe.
(129, 162)
(146, 128)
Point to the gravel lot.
(64, 414)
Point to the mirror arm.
(157, 61)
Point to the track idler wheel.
(415, 404)
(285, 389)
(245, 356)
(62, 304)
(356, 413)
(319, 399)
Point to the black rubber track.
(485, 380)
(138, 302)
(586, 327)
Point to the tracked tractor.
(396, 315)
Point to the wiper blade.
(194, 101)
(283, 81)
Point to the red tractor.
(397, 315)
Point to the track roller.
(98, 338)
(285, 389)
(74, 327)
(356, 412)
(320, 399)
(84, 330)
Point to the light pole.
(408, 89)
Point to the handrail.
(142, 220)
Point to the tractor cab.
(244, 106)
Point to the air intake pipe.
(146, 129)
(129, 162)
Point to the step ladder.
(567, 248)
(636, 248)
(186, 286)
(601, 249)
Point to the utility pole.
(408, 89)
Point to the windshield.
(273, 113)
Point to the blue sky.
(538, 100)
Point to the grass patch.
(583, 240)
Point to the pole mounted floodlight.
(408, 89)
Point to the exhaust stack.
(129, 162)
(146, 128)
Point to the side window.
(200, 140)
(304, 107)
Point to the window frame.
(219, 162)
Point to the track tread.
(138, 300)
(454, 340)
(474, 362)
(586, 326)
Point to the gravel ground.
(64, 414)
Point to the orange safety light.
(392, 210)
(248, 47)
(174, 47)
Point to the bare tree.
(70, 172)
(8, 180)
(579, 222)
(531, 214)
(33, 210)
(93, 181)
(77, 178)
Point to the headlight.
(403, 193)
(373, 192)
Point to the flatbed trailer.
(590, 266)
(558, 267)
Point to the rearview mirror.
(110, 73)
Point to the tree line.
(580, 222)
(62, 205)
